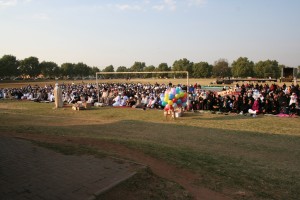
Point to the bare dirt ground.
(161, 168)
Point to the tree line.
(10, 66)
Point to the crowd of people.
(247, 98)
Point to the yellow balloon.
(170, 102)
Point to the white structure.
(58, 96)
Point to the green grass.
(258, 155)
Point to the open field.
(236, 156)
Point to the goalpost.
(163, 72)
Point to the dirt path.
(161, 168)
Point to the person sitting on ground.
(234, 105)
(131, 102)
(245, 106)
(217, 105)
(117, 100)
(255, 107)
(151, 103)
(90, 99)
(82, 98)
(124, 99)
(267, 107)
(104, 97)
(144, 102)
(292, 103)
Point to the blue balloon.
(171, 96)
(178, 90)
(179, 101)
(163, 103)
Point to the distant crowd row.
(249, 99)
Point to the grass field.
(238, 156)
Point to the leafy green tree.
(30, 66)
(162, 67)
(221, 68)
(137, 67)
(183, 65)
(67, 69)
(81, 69)
(202, 70)
(109, 68)
(49, 69)
(259, 69)
(122, 69)
(150, 68)
(268, 68)
(273, 68)
(94, 71)
(298, 74)
(9, 66)
(242, 67)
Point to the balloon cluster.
(173, 98)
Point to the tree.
(150, 68)
(137, 67)
(30, 67)
(122, 69)
(272, 69)
(81, 69)
(109, 68)
(268, 68)
(259, 69)
(221, 68)
(161, 68)
(242, 67)
(183, 65)
(9, 66)
(94, 71)
(67, 69)
(202, 70)
(49, 69)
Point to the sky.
(119, 32)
